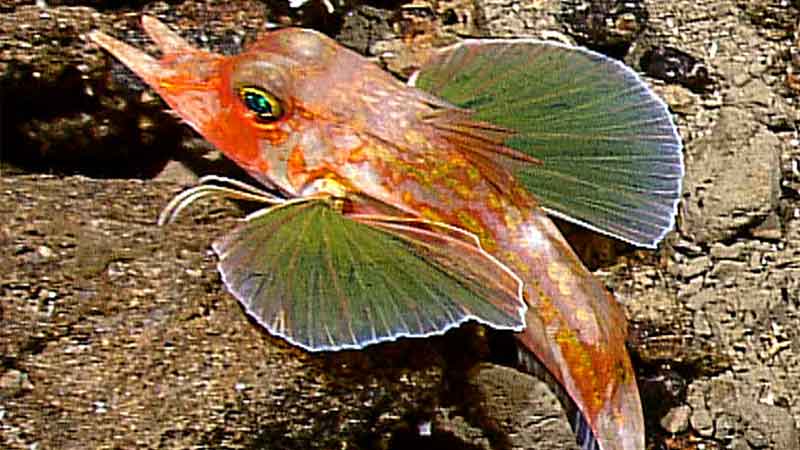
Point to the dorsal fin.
(611, 156)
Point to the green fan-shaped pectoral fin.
(611, 156)
(326, 281)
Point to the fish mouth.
(187, 78)
(144, 65)
(181, 66)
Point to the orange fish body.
(307, 117)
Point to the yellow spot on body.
(494, 202)
(408, 198)
(337, 204)
(359, 120)
(470, 223)
(521, 192)
(511, 258)
(413, 137)
(473, 225)
(473, 173)
(560, 276)
(588, 366)
(622, 372)
(271, 133)
(296, 162)
(581, 315)
(547, 311)
(513, 218)
(327, 185)
(463, 191)
(357, 156)
(430, 214)
(409, 171)
(579, 359)
(437, 172)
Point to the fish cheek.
(276, 156)
(234, 136)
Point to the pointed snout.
(182, 67)
(167, 40)
(144, 65)
(187, 78)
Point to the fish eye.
(266, 106)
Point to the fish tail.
(576, 330)
(584, 436)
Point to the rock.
(679, 99)
(607, 24)
(702, 422)
(695, 267)
(719, 205)
(144, 344)
(775, 18)
(73, 110)
(502, 18)
(677, 419)
(722, 251)
(769, 229)
(724, 270)
(364, 26)
(522, 408)
(675, 66)
(13, 383)
(759, 424)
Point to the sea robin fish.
(404, 210)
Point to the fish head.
(280, 96)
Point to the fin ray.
(571, 108)
(325, 280)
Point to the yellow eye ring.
(266, 107)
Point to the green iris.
(266, 107)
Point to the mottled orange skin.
(350, 128)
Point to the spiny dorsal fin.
(611, 156)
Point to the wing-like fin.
(326, 281)
(611, 156)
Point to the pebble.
(701, 325)
(45, 252)
(677, 419)
(702, 422)
(726, 269)
(14, 381)
(695, 267)
(720, 251)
